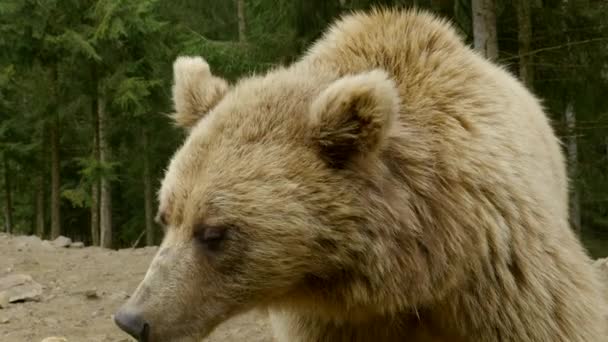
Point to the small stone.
(47, 245)
(14, 280)
(20, 288)
(62, 241)
(4, 320)
(91, 294)
(77, 244)
(55, 339)
(25, 293)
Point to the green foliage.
(74, 43)
(78, 197)
(132, 94)
(92, 170)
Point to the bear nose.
(133, 324)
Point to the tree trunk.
(240, 7)
(572, 149)
(8, 203)
(148, 195)
(95, 185)
(95, 213)
(484, 28)
(524, 36)
(55, 180)
(40, 192)
(571, 143)
(40, 207)
(105, 210)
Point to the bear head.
(262, 204)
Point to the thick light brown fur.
(392, 185)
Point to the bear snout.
(132, 322)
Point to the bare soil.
(82, 288)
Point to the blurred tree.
(8, 204)
(484, 27)
(240, 5)
(524, 35)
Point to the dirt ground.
(69, 276)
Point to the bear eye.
(211, 237)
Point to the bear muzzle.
(133, 324)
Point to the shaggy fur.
(391, 185)
(195, 91)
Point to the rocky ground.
(61, 291)
(71, 292)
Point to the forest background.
(85, 89)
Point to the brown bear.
(391, 185)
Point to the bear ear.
(195, 90)
(353, 115)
